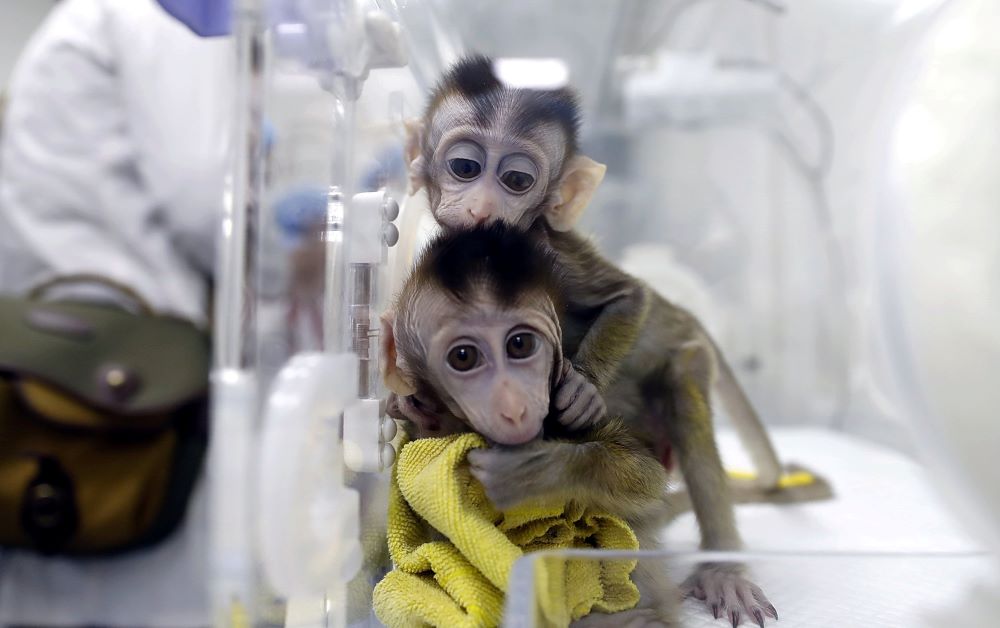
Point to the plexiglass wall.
(299, 470)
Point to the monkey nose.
(515, 416)
(479, 214)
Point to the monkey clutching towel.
(477, 326)
(461, 581)
(484, 152)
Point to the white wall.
(18, 20)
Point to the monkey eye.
(465, 169)
(517, 181)
(522, 345)
(463, 358)
(517, 172)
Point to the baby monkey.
(485, 152)
(477, 326)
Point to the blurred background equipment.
(811, 179)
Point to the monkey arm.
(612, 335)
(619, 303)
(604, 468)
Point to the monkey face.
(494, 172)
(495, 365)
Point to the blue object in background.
(389, 165)
(206, 18)
(300, 209)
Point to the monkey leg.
(635, 618)
(658, 600)
(684, 402)
(657, 592)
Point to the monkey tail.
(751, 431)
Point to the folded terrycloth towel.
(460, 581)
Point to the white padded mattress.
(883, 552)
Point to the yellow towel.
(461, 581)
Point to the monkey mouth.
(492, 442)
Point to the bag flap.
(130, 364)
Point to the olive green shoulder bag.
(103, 430)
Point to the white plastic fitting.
(308, 528)
(372, 230)
(366, 228)
(367, 436)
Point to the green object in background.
(102, 425)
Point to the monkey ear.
(411, 152)
(392, 375)
(580, 178)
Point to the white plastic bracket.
(308, 520)
(367, 437)
(372, 230)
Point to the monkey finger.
(571, 422)
(600, 410)
(478, 459)
(735, 616)
(693, 591)
(762, 600)
(755, 602)
(393, 408)
(746, 596)
(569, 392)
(713, 597)
(575, 412)
(594, 413)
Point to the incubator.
(778, 168)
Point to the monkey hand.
(576, 401)
(427, 418)
(511, 476)
(724, 589)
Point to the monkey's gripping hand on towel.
(460, 581)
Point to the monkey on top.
(487, 152)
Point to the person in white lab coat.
(112, 161)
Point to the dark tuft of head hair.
(501, 258)
(473, 78)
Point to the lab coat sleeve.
(112, 162)
(177, 90)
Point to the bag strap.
(139, 304)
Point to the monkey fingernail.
(734, 615)
(759, 616)
(715, 610)
(770, 611)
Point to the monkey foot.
(728, 594)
